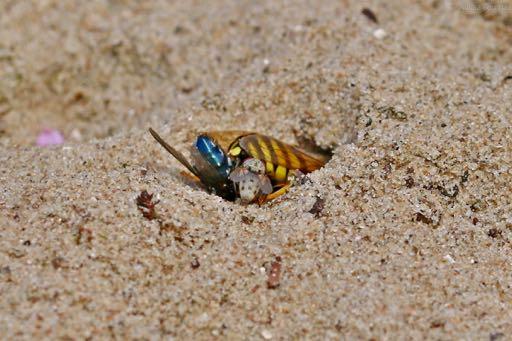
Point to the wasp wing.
(279, 153)
(226, 138)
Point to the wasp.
(245, 166)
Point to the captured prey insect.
(245, 166)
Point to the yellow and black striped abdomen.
(280, 155)
(277, 173)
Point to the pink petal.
(49, 137)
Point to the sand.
(405, 234)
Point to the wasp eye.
(254, 165)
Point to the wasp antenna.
(174, 152)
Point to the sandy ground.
(405, 234)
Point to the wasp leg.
(278, 193)
(293, 177)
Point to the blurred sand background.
(405, 234)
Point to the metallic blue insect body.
(214, 155)
(210, 164)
